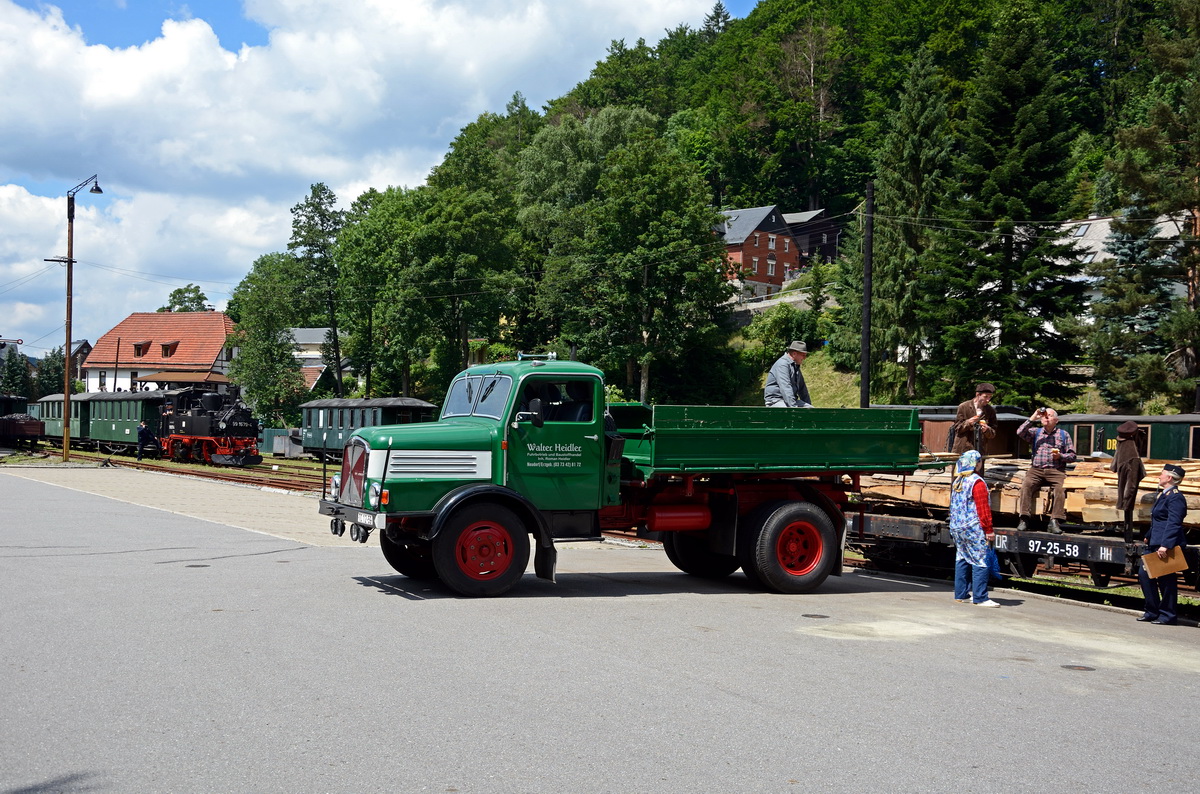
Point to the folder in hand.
(1174, 563)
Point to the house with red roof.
(162, 350)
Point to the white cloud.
(202, 151)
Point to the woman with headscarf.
(971, 529)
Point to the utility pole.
(864, 374)
(69, 260)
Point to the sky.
(205, 125)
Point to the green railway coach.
(50, 409)
(327, 424)
(115, 417)
(1171, 437)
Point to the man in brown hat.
(1127, 463)
(975, 422)
(785, 382)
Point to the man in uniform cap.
(1166, 532)
(975, 423)
(785, 382)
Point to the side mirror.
(533, 415)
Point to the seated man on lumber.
(1052, 451)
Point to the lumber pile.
(1091, 489)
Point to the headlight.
(373, 495)
(335, 484)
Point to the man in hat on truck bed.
(1127, 463)
(785, 382)
(975, 422)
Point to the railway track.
(289, 475)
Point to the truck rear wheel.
(691, 554)
(413, 558)
(793, 550)
(482, 550)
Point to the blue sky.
(207, 122)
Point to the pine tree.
(315, 226)
(1125, 342)
(716, 22)
(1160, 166)
(912, 172)
(1006, 284)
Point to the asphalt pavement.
(164, 634)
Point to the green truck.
(528, 449)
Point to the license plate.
(366, 519)
(1057, 548)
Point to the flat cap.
(1176, 470)
(985, 387)
(799, 347)
(1127, 428)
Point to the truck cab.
(519, 446)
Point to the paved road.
(146, 650)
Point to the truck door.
(558, 466)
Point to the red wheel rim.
(484, 550)
(799, 548)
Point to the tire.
(690, 554)
(413, 558)
(482, 550)
(792, 550)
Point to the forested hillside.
(586, 226)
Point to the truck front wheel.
(413, 558)
(794, 549)
(482, 550)
(690, 554)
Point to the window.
(787, 241)
(754, 268)
(1087, 260)
(168, 348)
(1083, 439)
(103, 380)
(770, 267)
(140, 348)
(1081, 229)
(770, 242)
(132, 377)
(756, 239)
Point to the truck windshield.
(478, 396)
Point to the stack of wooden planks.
(1091, 489)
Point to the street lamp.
(70, 260)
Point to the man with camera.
(1052, 451)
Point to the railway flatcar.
(327, 424)
(215, 428)
(114, 419)
(17, 426)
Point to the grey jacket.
(785, 382)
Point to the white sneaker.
(988, 603)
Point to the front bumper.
(355, 515)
